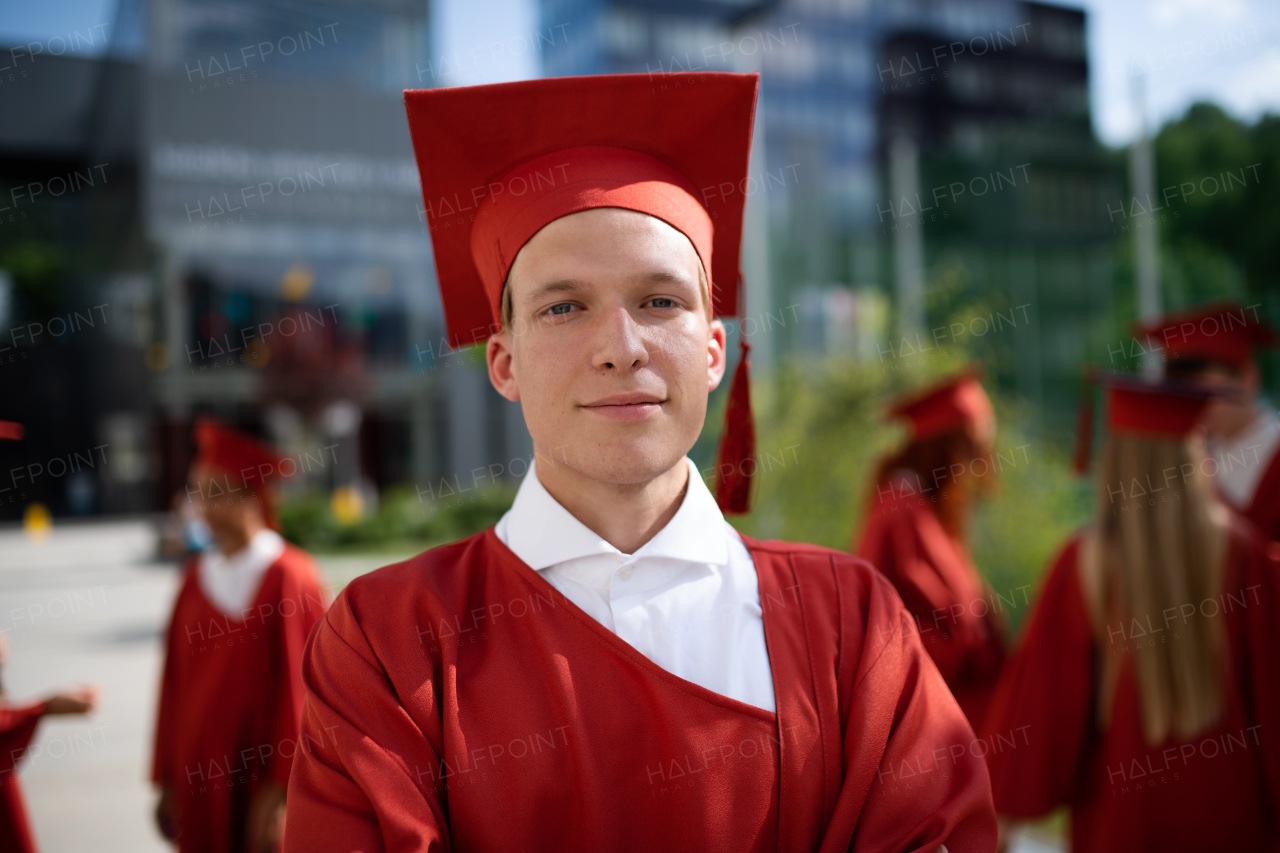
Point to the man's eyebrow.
(664, 276)
(573, 285)
(563, 285)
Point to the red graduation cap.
(243, 457)
(11, 431)
(499, 162)
(1159, 409)
(1224, 331)
(1164, 409)
(957, 402)
(234, 452)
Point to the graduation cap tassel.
(736, 461)
(1084, 427)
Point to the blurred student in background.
(1217, 344)
(231, 695)
(917, 529)
(1144, 686)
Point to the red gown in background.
(1264, 508)
(17, 727)
(231, 699)
(1217, 791)
(458, 701)
(939, 585)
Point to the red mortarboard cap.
(1223, 331)
(1159, 409)
(11, 431)
(1135, 406)
(499, 162)
(957, 402)
(235, 452)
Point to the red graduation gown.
(458, 701)
(1218, 791)
(932, 571)
(17, 727)
(231, 699)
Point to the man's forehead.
(579, 250)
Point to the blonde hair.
(1147, 554)
(506, 308)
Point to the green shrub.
(820, 433)
(400, 520)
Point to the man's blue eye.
(669, 302)
(555, 309)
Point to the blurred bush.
(820, 434)
(400, 522)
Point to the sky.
(1226, 51)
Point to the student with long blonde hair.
(1143, 694)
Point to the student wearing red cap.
(18, 724)
(916, 530)
(1143, 694)
(612, 666)
(231, 694)
(1216, 344)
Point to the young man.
(231, 698)
(1216, 344)
(612, 667)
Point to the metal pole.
(908, 243)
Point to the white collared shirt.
(1243, 460)
(231, 582)
(688, 599)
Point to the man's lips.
(626, 407)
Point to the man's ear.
(500, 358)
(716, 357)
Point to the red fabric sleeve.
(17, 728)
(162, 750)
(351, 789)
(301, 607)
(1045, 699)
(908, 749)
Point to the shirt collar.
(542, 533)
(262, 549)
(1260, 433)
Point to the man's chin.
(626, 460)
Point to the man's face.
(221, 499)
(610, 351)
(1227, 415)
(208, 491)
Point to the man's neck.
(624, 515)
